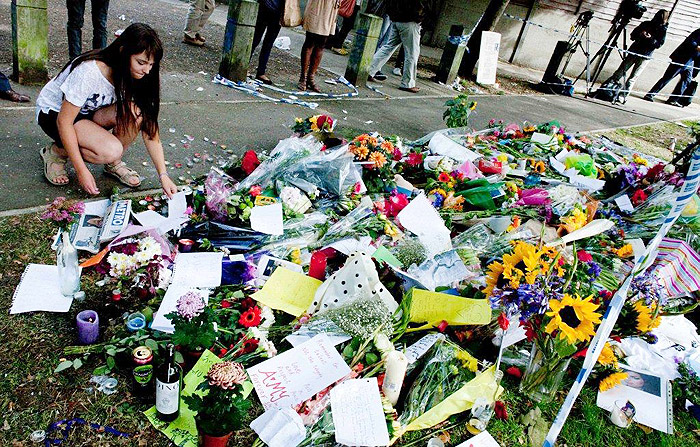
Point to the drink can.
(142, 355)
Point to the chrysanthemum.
(360, 151)
(378, 159)
(573, 317)
(645, 322)
(611, 381)
(607, 356)
(226, 375)
(190, 305)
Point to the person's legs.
(306, 51)
(337, 40)
(194, 17)
(637, 68)
(625, 65)
(410, 37)
(273, 30)
(4, 83)
(209, 7)
(315, 63)
(99, 23)
(260, 26)
(382, 56)
(74, 27)
(385, 32)
(681, 87)
(671, 72)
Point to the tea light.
(116, 295)
(185, 245)
(622, 413)
(135, 321)
(88, 327)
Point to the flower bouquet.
(194, 327)
(376, 155)
(316, 123)
(223, 406)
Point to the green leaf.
(77, 363)
(99, 371)
(111, 352)
(111, 363)
(63, 365)
(371, 358)
(151, 344)
(348, 351)
(178, 357)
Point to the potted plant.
(194, 326)
(222, 406)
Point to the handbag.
(347, 7)
(291, 16)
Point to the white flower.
(121, 264)
(268, 317)
(257, 333)
(669, 169)
(296, 200)
(268, 347)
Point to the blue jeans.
(76, 13)
(673, 70)
(4, 83)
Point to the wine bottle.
(168, 381)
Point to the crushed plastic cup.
(37, 436)
(283, 43)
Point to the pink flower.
(395, 203)
(189, 211)
(397, 155)
(357, 188)
(415, 159)
(249, 162)
(255, 190)
(584, 256)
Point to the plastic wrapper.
(218, 187)
(285, 154)
(345, 225)
(234, 239)
(328, 172)
(583, 164)
(361, 317)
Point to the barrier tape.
(690, 186)
(66, 425)
(251, 87)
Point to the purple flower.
(647, 286)
(190, 305)
(594, 270)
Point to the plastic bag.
(218, 187)
(583, 164)
(235, 239)
(328, 172)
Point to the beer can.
(142, 355)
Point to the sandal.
(50, 158)
(123, 173)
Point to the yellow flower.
(359, 151)
(502, 158)
(313, 120)
(515, 223)
(529, 128)
(493, 277)
(511, 187)
(453, 202)
(295, 256)
(611, 381)
(645, 321)
(391, 231)
(525, 262)
(378, 159)
(639, 160)
(577, 219)
(607, 356)
(468, 361)
(472, 106)
(539, 167)
(625, 251)
(573, 317)
(298, 120)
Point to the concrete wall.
(538, 44)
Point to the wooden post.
(238, 39)
(363, 48)
(451, 56)
(30, 41)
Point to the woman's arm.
(69, 138)
(155, 150)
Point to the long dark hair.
(144, 92)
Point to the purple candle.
(88, 327)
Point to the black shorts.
(48, 123)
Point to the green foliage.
(197, 333)
(218, 411)
(458, 111)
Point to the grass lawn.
(653, 139)
(32, 396)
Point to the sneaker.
(397, 71)
(192, 41)
(674, 104)
(341, 51)
(648, 97)
(371, 79)
(379, 76)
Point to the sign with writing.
(296, 375)
(358, 415)
(419, 348)
(434, 307)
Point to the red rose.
(249, 162)
(638, 197)
(514, 371)
(222, 352)
(225, 304)
(442, 326)
(584, 256)
(248, 303)
(250, 317)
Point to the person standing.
(197, 17)
(683, 61)
(7, 93)
(406, 17)
(319, 23)
(268, 23)
(647, 37)
(74, 26)
(335, 42)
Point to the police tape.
(690, 186)
(251, 87)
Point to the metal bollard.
(451, 56)
(238, 39)
(30, 41)
(363, 48)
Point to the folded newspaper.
(102, 221)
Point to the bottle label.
(167, 397)
(143, 374)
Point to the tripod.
(619, 27)
(579, 29)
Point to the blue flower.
(594, 270)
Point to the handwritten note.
(483, 439)
(295, 375)
(488, 57)
(288, 291)
(421, 218)
(357, 412)
(267, 219)
(434, 307)
(419, 348)
(198, 269)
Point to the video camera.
(628, 10)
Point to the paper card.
(293, 376)
(422, 219)
(197, 269)
(288, 291)
(177, 206)
(623, 202)
(149, 219)
(39, 290)
(383, 255)
(267, 219)
(434, 307)
(298, 338)
(441, 144)
(483, 439)
(514, 333)
(557, 165)
(419, 348)
(358, 415)
(280, 427)
(267, 266)
(543, 139)
(169, 304)
(488, 57)
(351, 245)
(591, 184)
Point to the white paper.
(488, 57)
(440, 144)
(557, 165)
(280, 427)
(177, 206)
(149, 219)
(419, 348)
(197, 269)
(351, 245)
(267, 265)
(358, 415)
(514, 333)
(169, 304)
(483, 439)
(623, 202)
(297, 338)
(39, 290)
(638, 248)
(422, 219)
(267, 219)
(591, 184)
(543, 139)
(293, 376)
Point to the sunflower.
(645, 322)
(625, 251)
(493, 277)
(378, 159)
(611, 381)
(574, 317)
(607, 356)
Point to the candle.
(622, 413)
(116, 295)
(185, 245)
(317, 267)
(88, 327)
(135, 321)
(396, 364)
